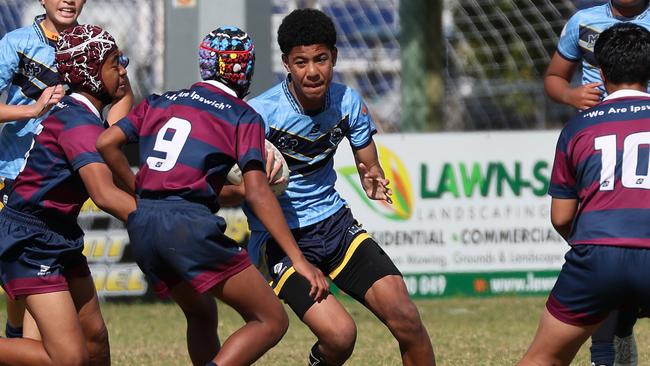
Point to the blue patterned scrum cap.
(227, 54)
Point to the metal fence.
(495, 53)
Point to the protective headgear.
(227, 54)
(80, 55)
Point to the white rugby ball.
(235, 177)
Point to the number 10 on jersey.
(632, 175)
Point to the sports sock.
(12, 332)
(316, 357)
(625, 324)
(602, 352)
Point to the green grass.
(467, 331)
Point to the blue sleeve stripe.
(127, 127)
(86, 158)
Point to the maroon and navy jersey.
(189, 140)
(602, 160)
(49, 185)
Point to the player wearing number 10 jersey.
(600, 186)
(189, 140)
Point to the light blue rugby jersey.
(308, 144)
(26, 69)
(581, 32)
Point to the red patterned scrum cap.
(80, 54)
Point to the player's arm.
(557, 84)
(262, 201)
(371, 174)
(121, 107)
(99, 183)
(232, 195)
(563, 212)
(49, 97)
(109, 145)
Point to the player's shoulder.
(270, 101)
(73, 112)
(272, 95)
(344, 96)
(588, 16)
(589, 120)
(593, 11)
(20, 37)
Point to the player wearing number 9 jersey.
(189, 140)
(601, 202)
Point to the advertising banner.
(470, 213)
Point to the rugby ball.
(235, 177)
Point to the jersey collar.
(81, 98)
(626, 93)
(43, 33)
(221, 86)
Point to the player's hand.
(49, 97)
(319, 285)
(374, 183)
(273, 167)
(585, 96)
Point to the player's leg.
(15, 308)
(369, 275)
(591, 284)
(328, 320)
(613, 343)
(15, 314)
(556, 342)
(624, 342)
(30, 330)
(174, 259)
(63, 339)
(200, 312)
(208, 261)
(389, 300)
(602, 341)
(92, 323)
(335, 330)
(266, 321)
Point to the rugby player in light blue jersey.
(306, 117)
(576, 48)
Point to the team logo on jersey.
(336, 136)
(30, 69)
(286, 143)
(591, 40)
(400, 183)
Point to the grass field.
(465, 331)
